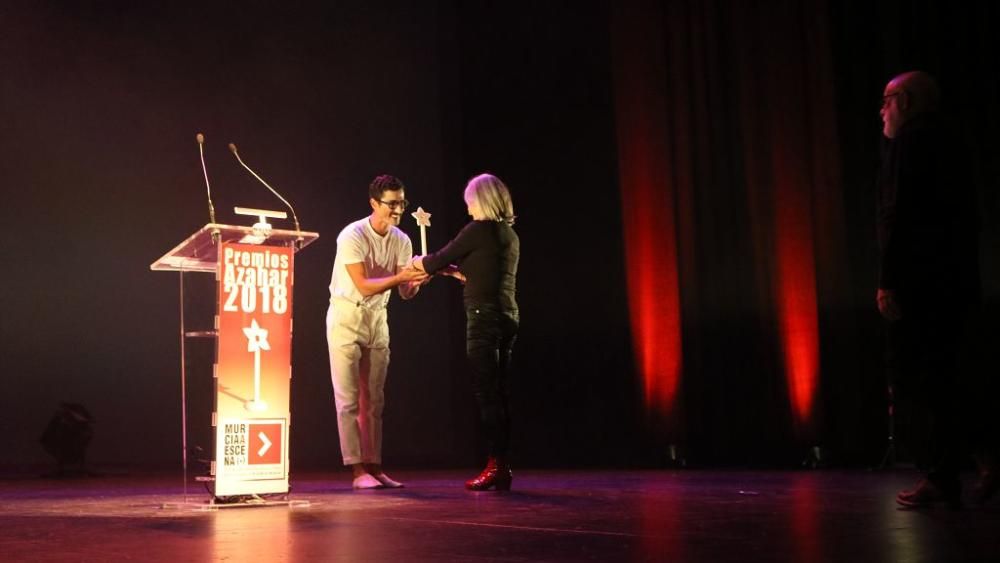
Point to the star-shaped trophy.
(256, 341)
(423, 221)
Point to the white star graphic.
(256, 337)
(423, 218)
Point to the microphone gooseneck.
(232, 147)
(208, 188)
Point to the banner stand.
(251, 419)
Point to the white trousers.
(358, 339)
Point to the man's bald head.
(905, 96)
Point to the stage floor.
(688, 515)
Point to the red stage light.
(648, 210)
(796, 287)
(651, 266)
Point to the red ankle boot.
(497, 474)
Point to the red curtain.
(727, 149)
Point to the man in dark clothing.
(928, 274)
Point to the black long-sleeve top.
(927, 230)
(487, 253)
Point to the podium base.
(212, 505)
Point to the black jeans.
(922, 359)
(489, 338)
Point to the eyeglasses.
(395, 204)
(887, 97)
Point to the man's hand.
(410, 281)
(412, 275)
(888, 306)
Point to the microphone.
(201, 152)
(232, 147)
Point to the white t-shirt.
(381, 255)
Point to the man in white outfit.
(372, 258)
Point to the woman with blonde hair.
(484, 257)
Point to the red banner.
(253, 369)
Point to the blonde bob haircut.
(492, 198)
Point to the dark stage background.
(756, 126)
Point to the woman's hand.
(452, 270)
